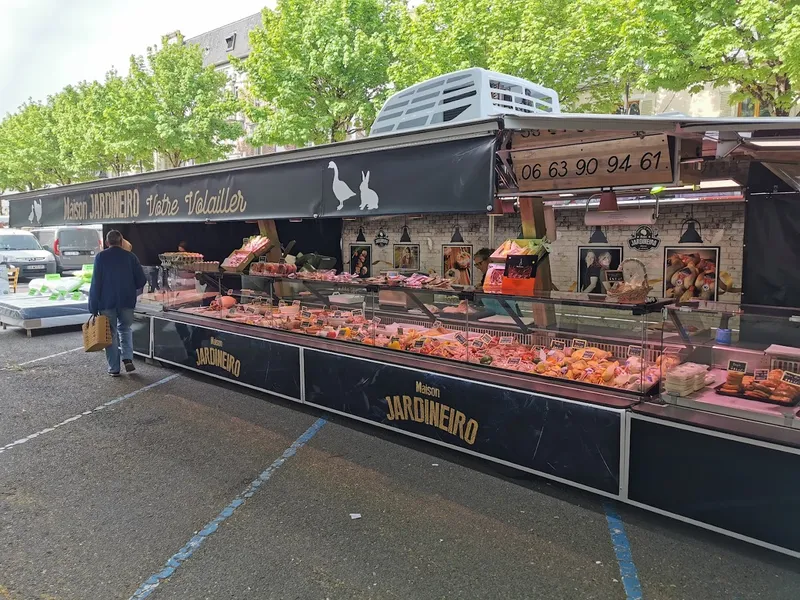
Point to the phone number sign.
(635, 161)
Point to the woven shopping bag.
(96, 334)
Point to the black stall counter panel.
(253, 362)
(745, 487)
(569, 441)
(141, 335)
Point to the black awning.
(439, 177)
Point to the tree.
(182, 109)
(753, 45)
(562, 44)
(442, 36)
(317, 69)
(30, 155)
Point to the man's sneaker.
(113, 374)
(129, 366)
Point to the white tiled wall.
(722, 225)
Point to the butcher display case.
(578, 340)
(737, 360)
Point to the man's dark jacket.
(116, 278)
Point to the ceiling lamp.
(360, 237)
(691, 235)
(598, 237)
(608, 201)
(457, 238)
(405, 238)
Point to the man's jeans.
(120, 320)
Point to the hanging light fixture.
(360, 237)
(405, 238)
(598, 237)
(608, 201)
(457, 238)
(691, 235)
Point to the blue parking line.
(185, 553)
(622, 549)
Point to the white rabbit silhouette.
(369, 199)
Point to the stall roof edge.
(672, 125)
(451, 132)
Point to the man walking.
(116, 278)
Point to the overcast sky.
(47, 44)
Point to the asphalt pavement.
(164, 485)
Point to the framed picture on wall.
(593, 261)
(406, 257)
(690, 272)
(457, 263)
(361, 260)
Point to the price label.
(394, 338)
(306, 314)
(340, 333)
(791, 378)
(419, 343)
(536, 349)
(478, 344)
(251, 308)
(588, 355)
(578, 344)
(355, 328)
(506, 340)
(319, 322)
(461, 338)
(281, 303)
(399, 331)
(514, 360)
(558, 344)
(296, 303)
(737, 366)
(675, 351)
(305, 323)
(337, 314)
(232, 310)
(614, 276)
(436, 324)
(358, 312)
(635, 351)
(486, 338)
(760, 374)
(596, 164)
(376, 320)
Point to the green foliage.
(30, 155)
(317, 69)
(185, 110)
(752, 44)
(562, 44)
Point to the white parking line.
(35, 360)
(33, 436)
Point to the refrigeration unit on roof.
(462, 96)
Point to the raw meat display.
(591, 365)
(463, 308)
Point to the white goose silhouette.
(341, 190)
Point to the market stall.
(604, 387)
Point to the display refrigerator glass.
(575, 339)
(737, 360)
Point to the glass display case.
(738, 360)
(573, 338)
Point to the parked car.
(22, 249)
(73, 247)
